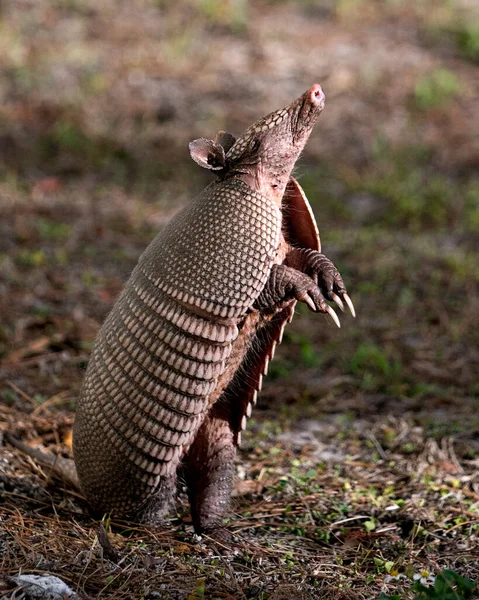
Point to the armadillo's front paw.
(286, 284)
(325, 274)
(304, 289)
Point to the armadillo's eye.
(274, 186)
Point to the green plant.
(374, 366)
(232, 14)
(436, 90)
(467, 41)
(31, 258)
(51, 230)
(448, 585)
(413, 196)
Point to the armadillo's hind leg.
(209, 470)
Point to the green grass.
(448, 585)
(467, 40)
(402, 189)
(437, 89)
(459, 33)
(52, 230)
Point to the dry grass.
(389, 499)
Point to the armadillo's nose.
(317, 95)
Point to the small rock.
(44, 587)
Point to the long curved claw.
(350, 304)
(338, 301)
(309, 301)
(333, 315)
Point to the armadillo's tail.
(63, 468)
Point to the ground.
(359, 469)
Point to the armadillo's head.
(266, 152)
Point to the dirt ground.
(359, 472)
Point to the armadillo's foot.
(220, 535)
(287, 283)
(222, 541)
(324, 273)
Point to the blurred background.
(98, 102)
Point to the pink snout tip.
(317, 95)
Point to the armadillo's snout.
(317, 95)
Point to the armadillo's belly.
(147, 388)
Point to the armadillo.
(177, 365)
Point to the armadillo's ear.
(225, 139)
(207, 154)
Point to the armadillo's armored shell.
(161, 353)
(217, 253)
